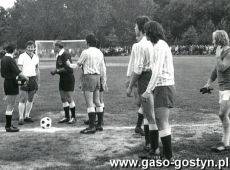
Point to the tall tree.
(190, 36)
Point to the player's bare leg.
(140, 116)
(10, 99)
(148, 108)
(29, 105)
(91, 113)
(99, 109)
(162, 117)
(21, 106)
(69, 97)
(65, 105)
(224, 117)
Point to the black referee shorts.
(11, 87)
(67, 83)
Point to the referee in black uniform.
(66, 82)
(10, 72)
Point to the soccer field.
(195, 124)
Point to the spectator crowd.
(125, 51)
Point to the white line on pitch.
(116, 128)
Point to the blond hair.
(221, 37)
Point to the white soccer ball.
(46, 122)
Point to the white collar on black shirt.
(61, 52)
(9, 55)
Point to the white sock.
(146, 121)
(153, 127)
(21, 109)
(9, 113)
(140, 110)
(165, 132)
(72, 105)
(28, 108)
(226, 134)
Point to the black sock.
(8, 120)
(139, 120)
(167, 146)
(96, 114)
(66, 109)
(72, 112)
(100, 116)
(92, 117)
(146, 130)
(154, 136)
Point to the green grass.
(70, 150)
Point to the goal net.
(44, 48)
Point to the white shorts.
(224, 95)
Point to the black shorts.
(31, 85)
(67, 83)
(11, 87)
(143, 81)
(164, 96)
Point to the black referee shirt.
(9, 68)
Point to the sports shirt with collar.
(29, 64)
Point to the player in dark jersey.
(10, 72)
(222, 73)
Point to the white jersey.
(92, 61)
(161, 66)
(140, 57)
(28, 64)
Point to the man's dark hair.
(91, 40)
(10, 48)
(58, 43)
(29, 43)
(140, 21)
(98, 44)
(154, 31)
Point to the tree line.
(185, 21)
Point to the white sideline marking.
(46, 66)
(116, 128)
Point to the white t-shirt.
(28, 64)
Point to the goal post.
(44, 48)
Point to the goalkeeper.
(222, 73)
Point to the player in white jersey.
(92, 63)
(139, 72)
(161, 84)
(138, 128)
(28, 63)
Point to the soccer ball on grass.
(46, 123)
